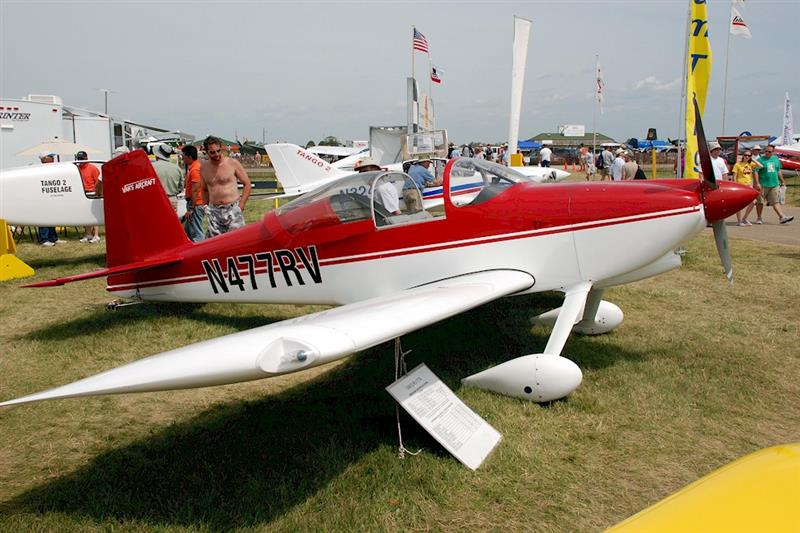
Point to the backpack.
(598, 163)
(640, 175)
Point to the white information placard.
(437, 409)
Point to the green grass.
(792, 188)
(699, 373)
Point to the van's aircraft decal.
(225, 275)
(141, 184)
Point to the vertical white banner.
(787, 136)
(600, 85)
(522, 32)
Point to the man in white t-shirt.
(721, 172)
(616, 166)
(544, 156)
(385, 192)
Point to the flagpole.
(413, 32)
(727, 56)
(430, 90)
(594, 109)
(682, 99)
(430, 66)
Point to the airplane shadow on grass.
(245, 464)
(96, 260)
(789, 254)
(106, 321)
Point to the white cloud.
(651, 83)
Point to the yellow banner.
(699, 72)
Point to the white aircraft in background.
(335, 154)
(300, 171)
(48, 195)
(51, 195)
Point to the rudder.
(140, 221)
(298, 170)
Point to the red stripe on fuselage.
(523, 211)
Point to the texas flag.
(738, 25)
(435, 75)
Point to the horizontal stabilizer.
(121, 269)
(299, 343)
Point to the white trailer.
(53, 195)
(28, 121)
(24, 123)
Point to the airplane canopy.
(376, 195)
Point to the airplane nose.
(729, 198)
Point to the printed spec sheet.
(434, 406)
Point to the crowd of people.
(496, 154)
(762, 172)
(214, 204)
(607, 166)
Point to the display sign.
(442, 414)
(429, 143)
(572, 130)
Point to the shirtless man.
(220, 176)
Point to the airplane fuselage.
(560, 234)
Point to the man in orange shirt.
(195, 209)
(89, 176)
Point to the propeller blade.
(720, 232)
(702, 148)
(721, 238)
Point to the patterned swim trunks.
(224, 218)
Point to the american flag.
(420, 42)
(435, 76)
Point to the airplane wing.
(298, 343)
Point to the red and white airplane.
(789, 156)
(392, 270)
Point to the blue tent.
(528, 145)
(642, 144)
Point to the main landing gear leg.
(113, 305)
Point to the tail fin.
(140, 221)
(300, 171)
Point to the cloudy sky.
(303, 70)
